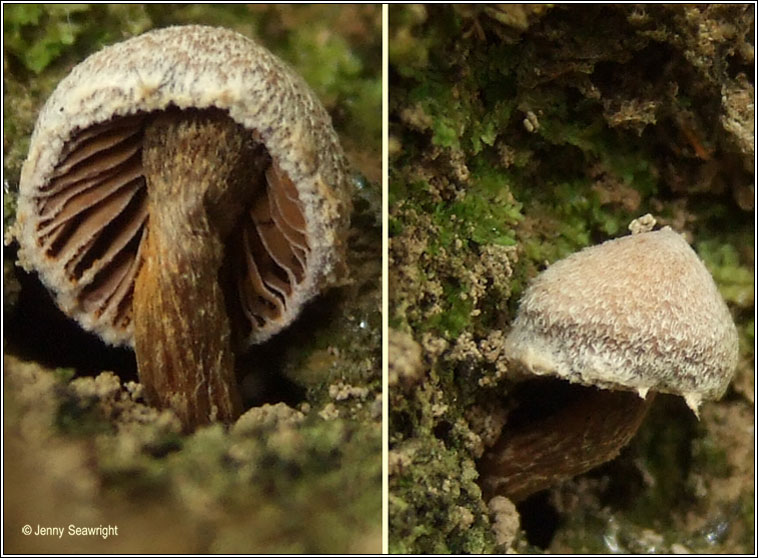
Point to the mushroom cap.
(638, 313)
(100, 109)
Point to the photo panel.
(192, 279)
(571, 274)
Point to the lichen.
(519, 136)
(127, 457)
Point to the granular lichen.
(405, 365)
(505, 523)
(208, 478)
(437, 510)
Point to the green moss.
(456, 313)
(409, 51)
(485, 215)
(734, 277)
(81, 418)
(302, 485)
(435, 503)
(426, 502)
(341, 77)
(64, 375)
(458, 118)
(308, 484)
(37, 34)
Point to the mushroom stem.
(202, 170)
(584, 432)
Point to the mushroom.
(630, 317)
(185, 194)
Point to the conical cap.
(640, 312)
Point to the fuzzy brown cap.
(183, 67)
(638, 313)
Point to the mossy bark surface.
(300, 471)
(519, 135)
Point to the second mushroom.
(618, 321)
(184, 193)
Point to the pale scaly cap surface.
(640, 312)
(186, 67)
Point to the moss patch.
(306, 484)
